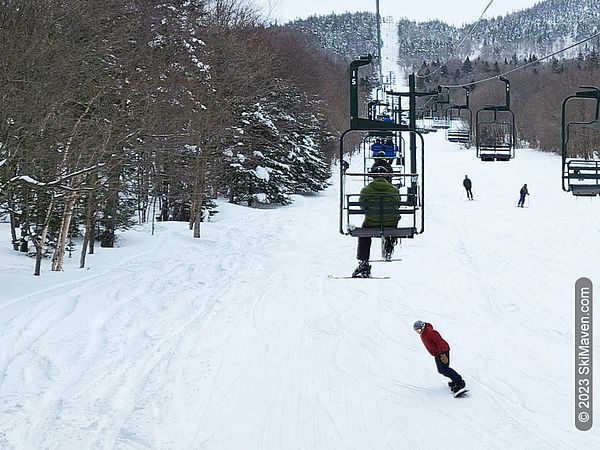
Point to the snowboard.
(460, 393)
(333, 277)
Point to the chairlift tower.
(380, 63)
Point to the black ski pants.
(469, 193)
(363, 249)
(445, 369)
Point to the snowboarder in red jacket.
(440, 350)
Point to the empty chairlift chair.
(495, 130)
(441, 105)
(460, 118)
(581, 174)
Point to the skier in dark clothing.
(344, 166)
(439, 348)
(380, 201)
(523, 193)
(381, 160)
(467, 184)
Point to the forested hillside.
(541, 29)
(115, 109)
(495, 45)
(537, 92)
(349, 35)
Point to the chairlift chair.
(440, 120)
(460, 123)
(495, 130)
(411, 205)
(581, 176)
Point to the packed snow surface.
(238, 340)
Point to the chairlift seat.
(581, 176)
(585, 190)
(495, 151)
(587, 173)
(400, 232)
(461, 136)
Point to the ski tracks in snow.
(239, 341)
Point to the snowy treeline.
(541, 29)
(349, 34)
(117, 108)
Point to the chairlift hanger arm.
(593, 92)
(460, 107)
(408, 94)
(507, 91)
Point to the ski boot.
(451, 384)
(363, 270)
(458, 386)
(389, 248)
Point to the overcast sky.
(455, 12)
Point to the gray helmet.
(419, 325)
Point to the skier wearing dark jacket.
(467, 184)
(382, 161)
(522, 193)
(440, 350)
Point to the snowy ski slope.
(239, 341)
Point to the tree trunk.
(199, 191)
(40, 238)
(59, 252)
(25, 223)
(88, 238)
(192, 214)
(198, 218)
(143, 187)
(13, 226)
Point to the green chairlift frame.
(581, 176)
(412, 202)
(460, 134)
(498, 143)
(440, 121)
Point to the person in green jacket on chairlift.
(380, 201)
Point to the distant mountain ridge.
(539, 30)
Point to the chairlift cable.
(524, 65)
(477, 22)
